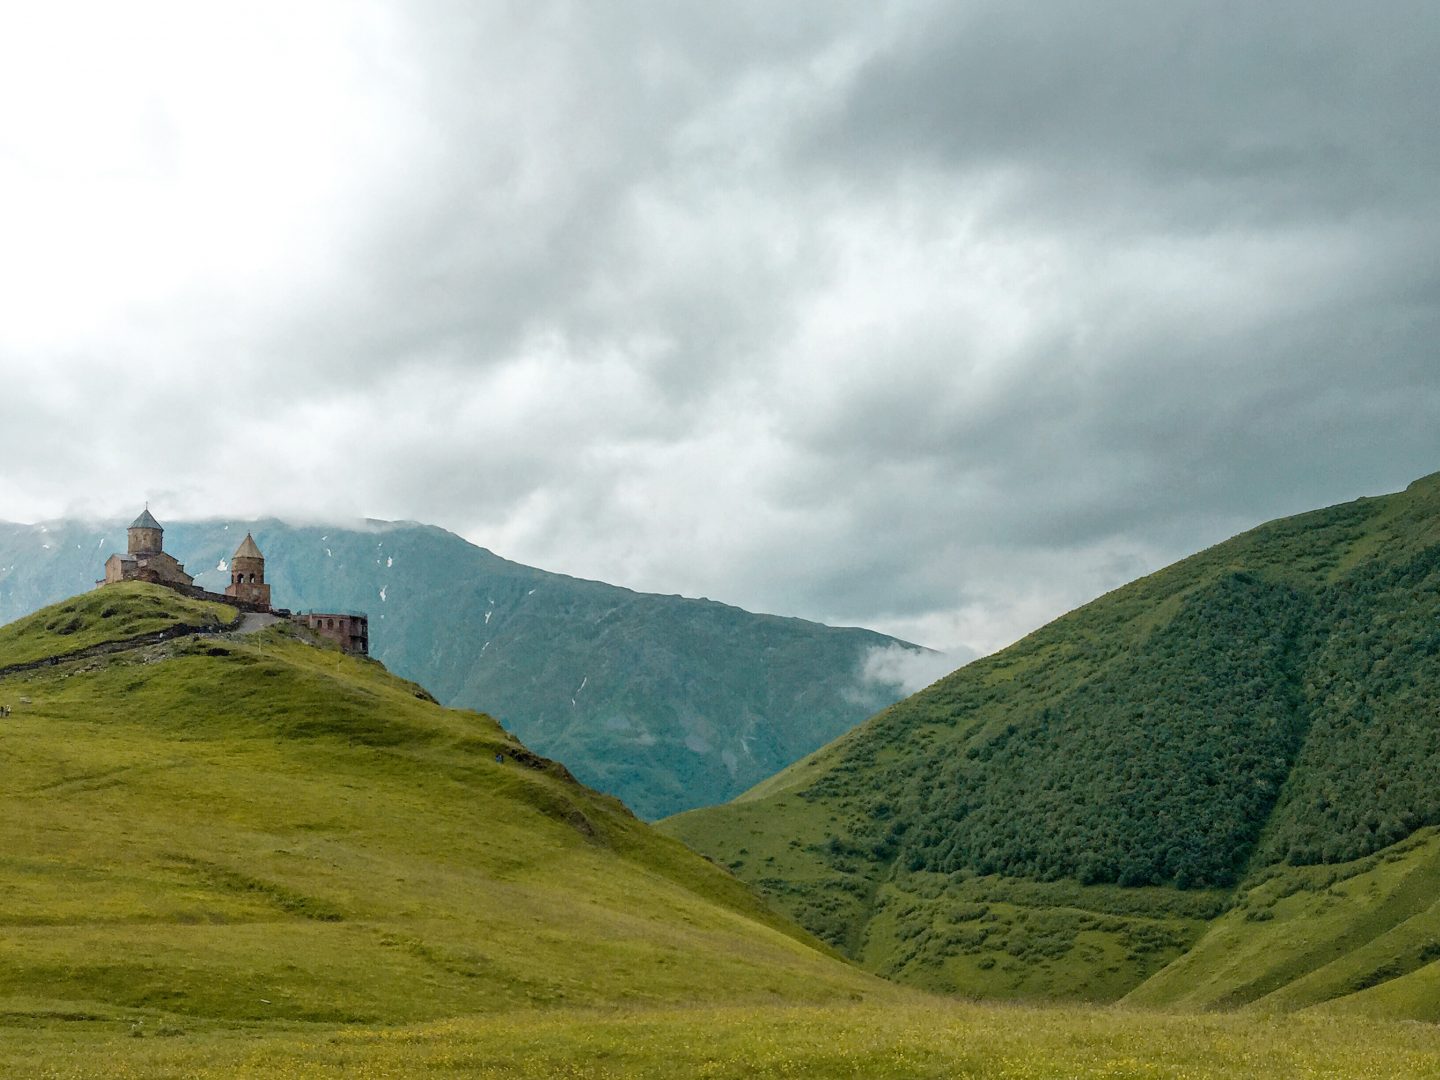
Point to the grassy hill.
(1187, 770)
(258, 829)
(663, 701)
(100, 618)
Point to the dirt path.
(253, 621)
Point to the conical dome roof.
(247, 549)
(146, 521)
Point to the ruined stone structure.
(351, 631)
(146, 560)
(247, 574)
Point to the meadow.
(927, 1038)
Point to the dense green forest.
(1148, 795)
(1366, 776)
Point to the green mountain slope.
(665, 702)
(252, 827)
(1300, 936)
(1065, 818)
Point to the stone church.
(146, 560)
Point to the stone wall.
(197, 593)
(146, 541)
(257, 593)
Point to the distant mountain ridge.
(666, 702)
(1213, 786)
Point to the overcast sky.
(938, 318)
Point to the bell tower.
(247, 574)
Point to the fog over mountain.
(935, 318)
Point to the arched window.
(252, 579)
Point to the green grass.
(1005, 938)
(258, 830)
(991, 937)
(113, 613)
(932, 1040)
(1307, 935)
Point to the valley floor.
(928, 1039)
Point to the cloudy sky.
(933, 317)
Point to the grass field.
(922, 1039)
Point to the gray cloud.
(1216, 112)
(931, 317)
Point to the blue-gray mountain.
(668, 703)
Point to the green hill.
(663, 701)
(252, 828)
(1185, 769)
(101, 618)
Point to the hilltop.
(665, 702)
(225, 827)
(1213, 786)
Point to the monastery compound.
(147, 560)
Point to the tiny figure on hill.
(499, 759)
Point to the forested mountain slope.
(253, 828)
(1068, 816)
(663, 701)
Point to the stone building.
(349, 630)
(247, 574)
(145, 558)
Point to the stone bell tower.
(247, 574)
